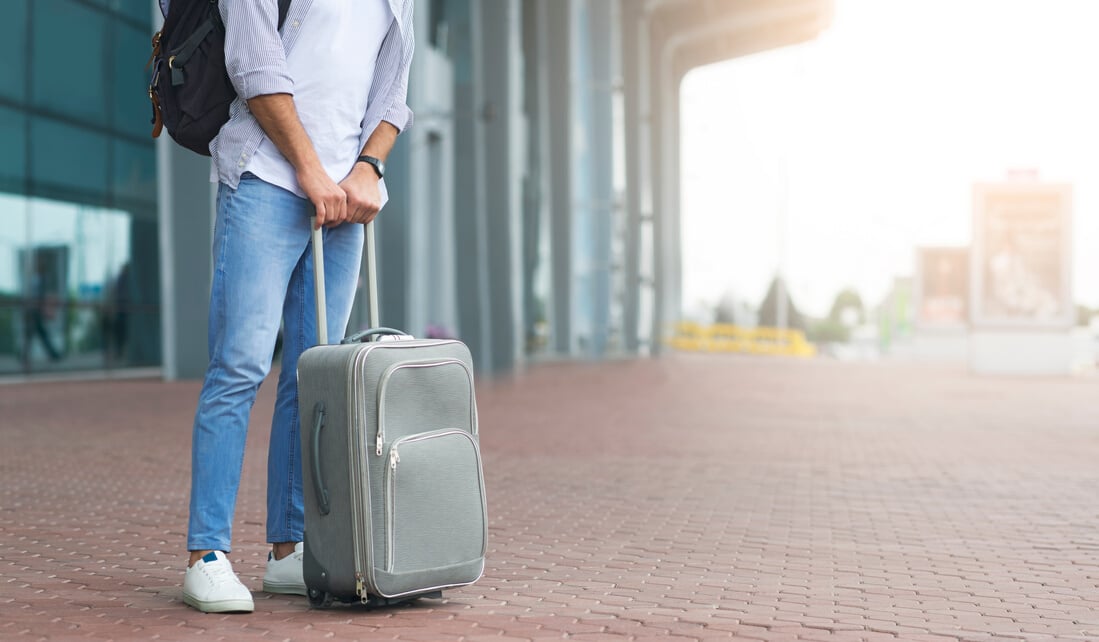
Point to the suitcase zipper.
(391, 504)
(360, 518)
(391, 486)
(356, 464)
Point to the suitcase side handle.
(318, 480)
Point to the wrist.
(364, 170)
(375, 163)
(312, 169)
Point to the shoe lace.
(219, 572)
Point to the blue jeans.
(263, 271)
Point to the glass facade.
(79, 258)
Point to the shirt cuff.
(399, 115)
(261, 82)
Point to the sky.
(867, 141)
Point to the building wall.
(532, 209)
(79, 258)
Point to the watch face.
(377, 164)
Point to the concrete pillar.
(560, 22)
(669, 253)
(392, 238)
(415, 232)
(601, 209)
(469, 271)
(633, 30)
(502, 180)
(537, 298)
(186, 220)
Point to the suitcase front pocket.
(435, 502)
(424, 393)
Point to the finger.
(343, 206)
(334, 209)
(319, 206)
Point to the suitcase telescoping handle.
(371, 286)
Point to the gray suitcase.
(394, 494)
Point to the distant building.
(534, 205)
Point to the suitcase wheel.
(320, 599)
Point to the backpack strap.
(177, 62)
(284, 7)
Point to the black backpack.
(190, 89)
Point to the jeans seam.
(215, 360)
(294, 413)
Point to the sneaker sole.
(220, 606)
(284, 589)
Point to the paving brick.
(683, 498)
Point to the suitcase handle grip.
(318, 481)
(366, 335)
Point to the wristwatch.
(376, 163)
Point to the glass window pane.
(84, 340)
(131, 111)
(45, 261)
(13, 50)
(101, 249)
(66, 161)
(134, 172)
(144, 278)
(142, 338)
(46, 312)
(68, 50)
(13, 242)
(13, 160)
(137, 10)
(9, 340)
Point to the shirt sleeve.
(397, 111)
(254, 54)
(399, 114)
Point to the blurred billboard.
(1022, 255)
(942, 287)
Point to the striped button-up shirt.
(255, 57)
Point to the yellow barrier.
(725, 337)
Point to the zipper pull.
(378, 445)
(394, 459)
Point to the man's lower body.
(263, 273)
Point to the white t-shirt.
(332, 65)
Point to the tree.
(768, 310)
(836, 328)
(847, 299)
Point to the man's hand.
(328, 198)
(364, 198)
(278, 116)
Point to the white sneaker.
(285, 575)
(211, 586)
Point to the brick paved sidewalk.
(691, 497)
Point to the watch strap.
(376, 163)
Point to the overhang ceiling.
(692, 33)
